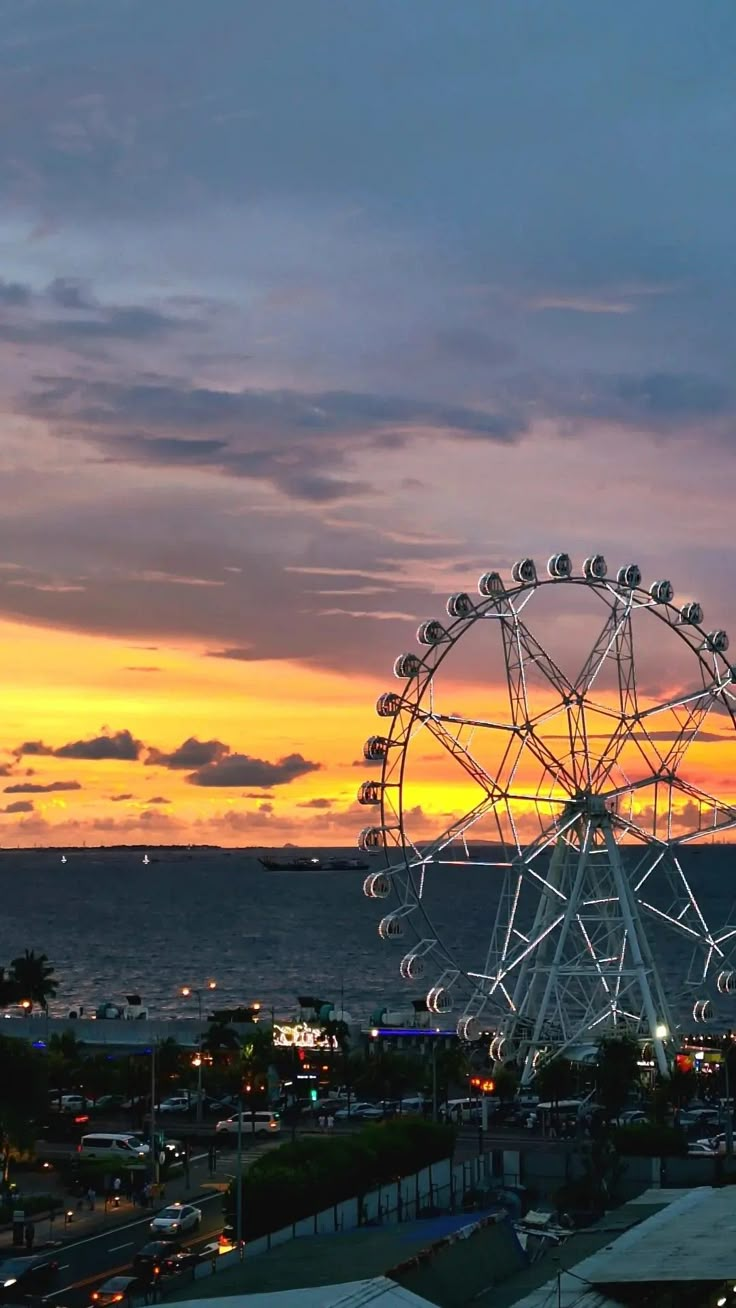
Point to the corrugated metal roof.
(378, 1292)
(690, 1240)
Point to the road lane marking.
(97, 1277)
(65, 1267)
(114, 1247)
(139, 1221)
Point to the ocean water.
(112, 926)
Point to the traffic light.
(313, 1094)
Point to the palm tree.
(555, 1080)
(33, 976)
(220, 1040)
(617, 1072)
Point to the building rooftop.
(689, 1240)
(328, 1260)
(378, 1292)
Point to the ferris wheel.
(546, 774)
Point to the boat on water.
(303, 864)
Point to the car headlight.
(12, 1281)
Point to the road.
(85, 1263)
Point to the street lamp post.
(187, 991)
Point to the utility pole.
(729, 1105)
(239, 1178)
(154, 1151)
(434, 1079)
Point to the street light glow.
(186, 991)
(661, 1031)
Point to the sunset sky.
(310, 312)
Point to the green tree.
(8, 989)
(33, 976)
(617, 1072)
(386, 1075)
(507, 1083)
(23, 1097)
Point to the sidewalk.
(84, 1223)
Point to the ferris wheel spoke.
(520, 649)
(690, 713)
(461, 754)
(455, 831)
(605, 645)
(457, 719)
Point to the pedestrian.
(29, 1232)
(91, 1197)
(330, 1121)
(147, 1195)
(116, 1186)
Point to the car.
(701, 1149)
(109, 1103)
(251, 1123)
(115, 1290)
(161, 1258)
(176, 1219)
(176, 1104)
(30, 1275)
(71, 1103)
(359, 1110)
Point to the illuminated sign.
(302, 1036)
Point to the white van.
(120, 1146)
(251, 1124)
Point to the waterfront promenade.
(116, 1033)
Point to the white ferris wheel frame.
(586, 967)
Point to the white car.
(176, 1104)
(176, 1219)
(258, 1123)
(70, 1103)
(701, 1149)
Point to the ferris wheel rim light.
(584, 801)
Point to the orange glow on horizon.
(70, 687)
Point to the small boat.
(63, 858)
(146, 859)
(303, 864)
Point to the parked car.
(176, 1219)
(701, 1149)
(176, 1104)
(33, 1275)
(362, 1111)
(69, 1103)
(117, 1289)
(109, 1103)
